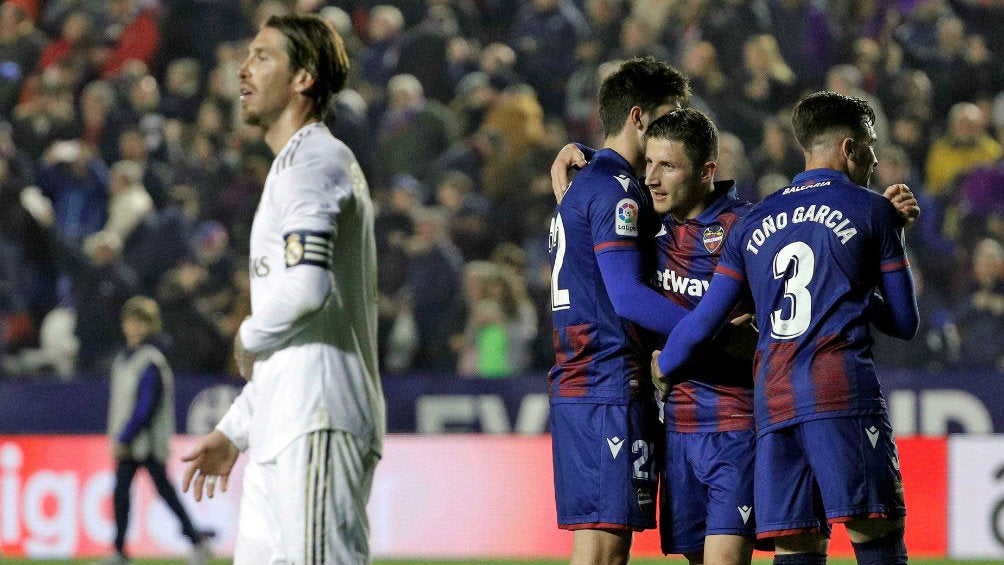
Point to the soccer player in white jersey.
(312, 413)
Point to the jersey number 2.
(795, 264)
(559, 296)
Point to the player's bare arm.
(243, 358)
(570, 157)
(212, 457)
(905, 202)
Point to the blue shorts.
(816, 473)
(709, 488)
(606, 464)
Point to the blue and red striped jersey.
(714, 392)
(599, 356)
(813, 253)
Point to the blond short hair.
(145, 309)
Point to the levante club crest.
(713, 238)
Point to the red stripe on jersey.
(731, 273)
(735, 408)
(683, 399)
(896, 265)
(830, 381)
(573, 368)
(609, 244)
(778, 389)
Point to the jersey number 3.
(559, 296)
(795, 264)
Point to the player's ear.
(708, 171)
(847, 147)
(635, 117)
(303, 80)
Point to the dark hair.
(691, 127)
(825, 112)
(642, 82)
(314, 46)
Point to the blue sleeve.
(587, 152)
(702, 323)
(147, 397)
(631, 297)
(897, 314)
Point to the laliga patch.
(308, 248)
(626, 218)
(713, 238)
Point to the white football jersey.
(315, 212)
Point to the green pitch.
(666, 561)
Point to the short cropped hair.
(145, 309)
(642, 82)
(691, 127)
(314, 46)
(825, 112)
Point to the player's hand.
(658, 379)
(905, 202)
(243, 358)
(568, 158)
(213, 457)
(743, 336)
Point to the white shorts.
(308, 506)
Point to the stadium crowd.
(125, 170)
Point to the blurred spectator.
(544, 35)
(468, 215)
(77, 184)
(21, 46)
(501, 322)
(733, 23)
(804, 35)
(778, 153)
(128, 201)
(158, 176)
(423, 52)
(96, 103)
(638, 38)
(846, 80)
(711, 91)
(182, 90)
(980, 315)
(379, 58)
(519, 118)
(102, 283)
(432, 281)
(412, 132)
(133, 32)
(195, 342)
(765, 85)
(57, 350)
(46, 117)
(76, 39)
(965, 144)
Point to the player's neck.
(290, 121)
(826, 158)
(627, 147)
